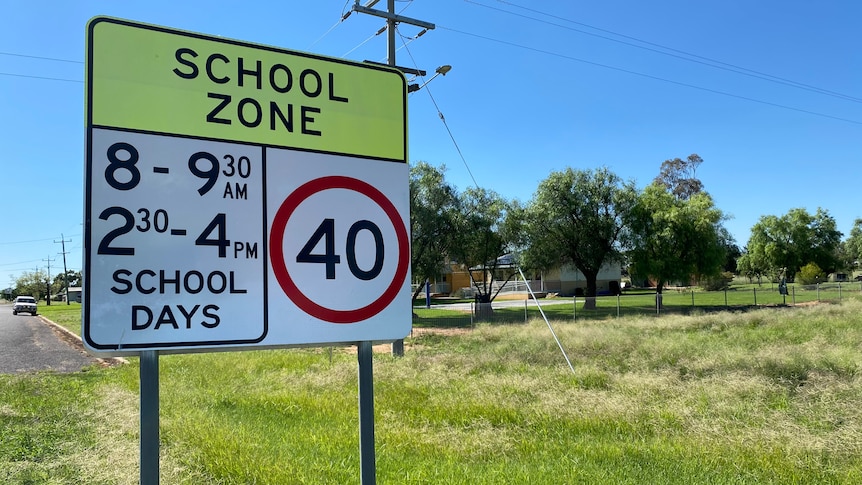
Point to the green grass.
(762, 396)
(75, 428)
(67, 316)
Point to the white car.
(26, 304)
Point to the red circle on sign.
(279, 268)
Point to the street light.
(440, 70)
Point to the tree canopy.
(578, 217)
(32, 283)
(433, 216)
(675, 239)
(788, 242)
(680, 176)
(488, 226)
(474, 229)
(852, 246)
(59, 283)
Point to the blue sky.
(768, 93)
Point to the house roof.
(503, 262)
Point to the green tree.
(433, 215)
(675, 239)
(732, 252)
(488, 227)
(33, 284)
(578, 217)
(59, 283)
(786, 243)
(852, 246)
(746, 265)
(826, 242)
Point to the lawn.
(768, 395)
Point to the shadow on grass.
(443, 321)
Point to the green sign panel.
(154, 79)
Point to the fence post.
(525, 309)
(839, 291)
(725, 297)
(818, 292)
(472, 314)
(618, 305)
(755, 295)
(575, 307)
(794, 295)
(692, 298)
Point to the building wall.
(566, 279)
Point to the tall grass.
(765, 396)
(761, 397)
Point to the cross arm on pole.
(393, 16)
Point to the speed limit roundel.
(353, 252)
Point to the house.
(568, 281)
(564, 280)
(455, 279)
(74, 294)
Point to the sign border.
(137, 347)
(282, 275)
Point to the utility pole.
(48, 281)
(63, 241)
(367, 459)
(392, 20)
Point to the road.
(28, 344)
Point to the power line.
(650, 76)
(56, 59)
(365, 41)
(346, 13)
(336, 24)
(40, 77)
(16, 270)
(20, 262)
(714, 63)
(26, 242)
(44, 58)
(443, 119)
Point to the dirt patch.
(439, 331)
(417, 331)
(76, 342)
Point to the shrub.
(810, 274)
(717, 283)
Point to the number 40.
(326, 231)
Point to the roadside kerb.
(76, 341)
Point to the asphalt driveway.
(29, 344)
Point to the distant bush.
(717, 283)
(810, 274)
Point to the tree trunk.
(482, 310)
(416, 293)
(592, 290)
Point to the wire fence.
(634, 303)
